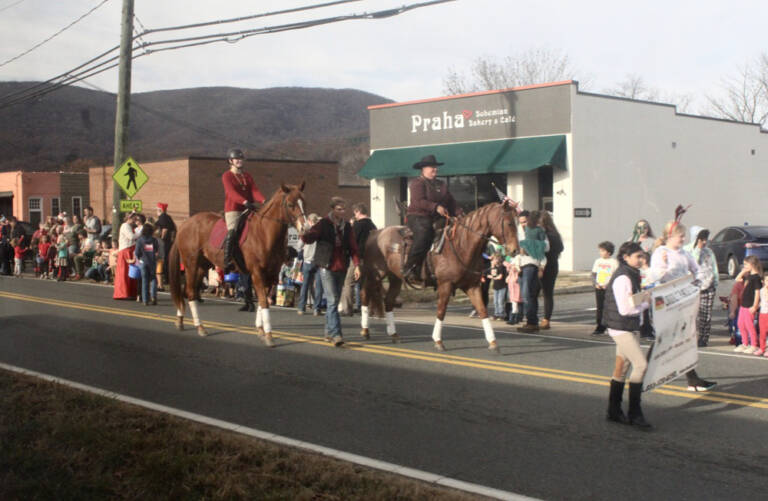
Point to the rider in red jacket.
(240, 193)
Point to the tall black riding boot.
(229, 248)
(635, 412)
(614, 403)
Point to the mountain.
(75, 126)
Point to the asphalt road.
(529, 421)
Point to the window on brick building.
(55, 206)
(35, 205)
(77, 206)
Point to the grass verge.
(61, 443)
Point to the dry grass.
(61, 443)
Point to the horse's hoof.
(395, 338)
(365, 333)
(493, 347)
(201, 331)
(179, 323)
(439, 346)
(268, 341)
(260, 331)
(327, 339)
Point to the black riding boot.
(614, 403)
(412, 269)
(229, 249)
(636, 417)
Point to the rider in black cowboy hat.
(430, 200)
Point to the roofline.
(674, 106)
(472, 94)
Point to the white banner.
(674, 306)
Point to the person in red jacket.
(240, 193)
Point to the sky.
(680, 47)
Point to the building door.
(35, 205)
(545, 188)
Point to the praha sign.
(467, 118)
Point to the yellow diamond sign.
(130, 177)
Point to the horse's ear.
(285, 188)
(301, 186)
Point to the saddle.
(219, 234)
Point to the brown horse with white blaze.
(264, 251)
(459, 265)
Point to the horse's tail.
(174, 277)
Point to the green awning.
(482, 157)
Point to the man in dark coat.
(430, 200)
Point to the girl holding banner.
(623, 319)
(668, 262)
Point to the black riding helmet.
(235, 153)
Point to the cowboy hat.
(428, 161)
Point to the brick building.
(193, 184)
(31, 196)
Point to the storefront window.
(472, 192)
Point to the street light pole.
(123, 109)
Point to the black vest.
(611, 316)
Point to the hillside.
(76, 125)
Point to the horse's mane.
(478, 215)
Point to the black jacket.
(611, 316)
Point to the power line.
(70, 77)
(54, 35)
(246, 18)
(10, 5)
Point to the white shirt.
(127, 238)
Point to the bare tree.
(635, 87)
(529, 67)
(745, 96)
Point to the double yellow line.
(395, 351)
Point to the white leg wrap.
(390, 316)
(179, 313)
(195, 315)
(514, 307)
(437, 332)
(488, 328)
(364, 319)
(265, 319)
(259, 321)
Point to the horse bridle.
(284, 207)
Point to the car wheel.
(732, 266)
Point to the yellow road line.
(393, 351)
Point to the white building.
(599, 163)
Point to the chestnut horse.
(264, 251)
(459, 265)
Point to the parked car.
(734, 243)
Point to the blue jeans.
(332, 284)
(529, 292)
(308, 271)
(499, 302)
(148, 281)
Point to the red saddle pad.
(219, 233)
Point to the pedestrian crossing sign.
(130, 177)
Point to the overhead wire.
(65, 28)
(10, 5)
(70, 77)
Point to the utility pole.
(123, 108)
